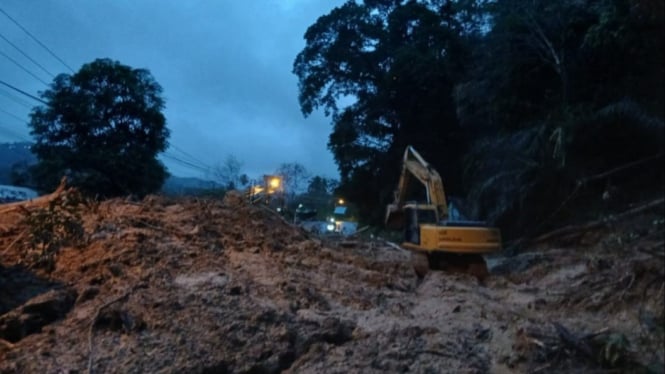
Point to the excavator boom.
(415, 166)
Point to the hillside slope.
(12, 154)
(190, 285)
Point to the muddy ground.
(200, 286)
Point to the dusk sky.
(225, 67)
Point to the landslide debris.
(208, 286)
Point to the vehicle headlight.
(330, 227)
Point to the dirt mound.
(191, 285)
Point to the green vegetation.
(50, 228)
(102, 127)
(532, 110)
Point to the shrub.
(50, 228)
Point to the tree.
(319, 196)
(319, 191)
(294, 176)
(228, 173)
(522, 97)
(319, 186)
(102, 127)
(556, 100)
(550, 59)
(397, 63)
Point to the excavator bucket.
(395, 217)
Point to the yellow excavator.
(438, 242)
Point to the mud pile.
(189, 285)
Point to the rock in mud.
(38, 312)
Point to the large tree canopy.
(543, 58)
(102, 127)
(385, 71)
(562, 90)
(524, 99)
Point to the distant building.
(340, 212)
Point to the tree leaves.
(384, 72)
(103, 126)
(538, 87)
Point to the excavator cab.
(414, 216)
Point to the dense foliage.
(103, 128)
(514, 102)
(397, 64)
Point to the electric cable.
(36, 40)
(23, 92)
(15, 99)
(185, 163)
(13, 134)
(13, 115)
(192, 158)
(27, 56)
(23, 68)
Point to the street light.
(340, 201)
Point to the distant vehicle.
(304, 214)
(340, 221)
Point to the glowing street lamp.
(273, 183)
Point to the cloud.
(225, 67)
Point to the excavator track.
(420, 263)
(472, 264)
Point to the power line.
(12, 133)
(26, 56)
(13, 115)
(23, 124)
(23, 68)
(192, 158)
(23, 92)
(186, 163)
(36, 40)
(15, 99)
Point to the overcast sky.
(225, 67)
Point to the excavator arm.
(414, 166)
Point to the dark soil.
(200, 286)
